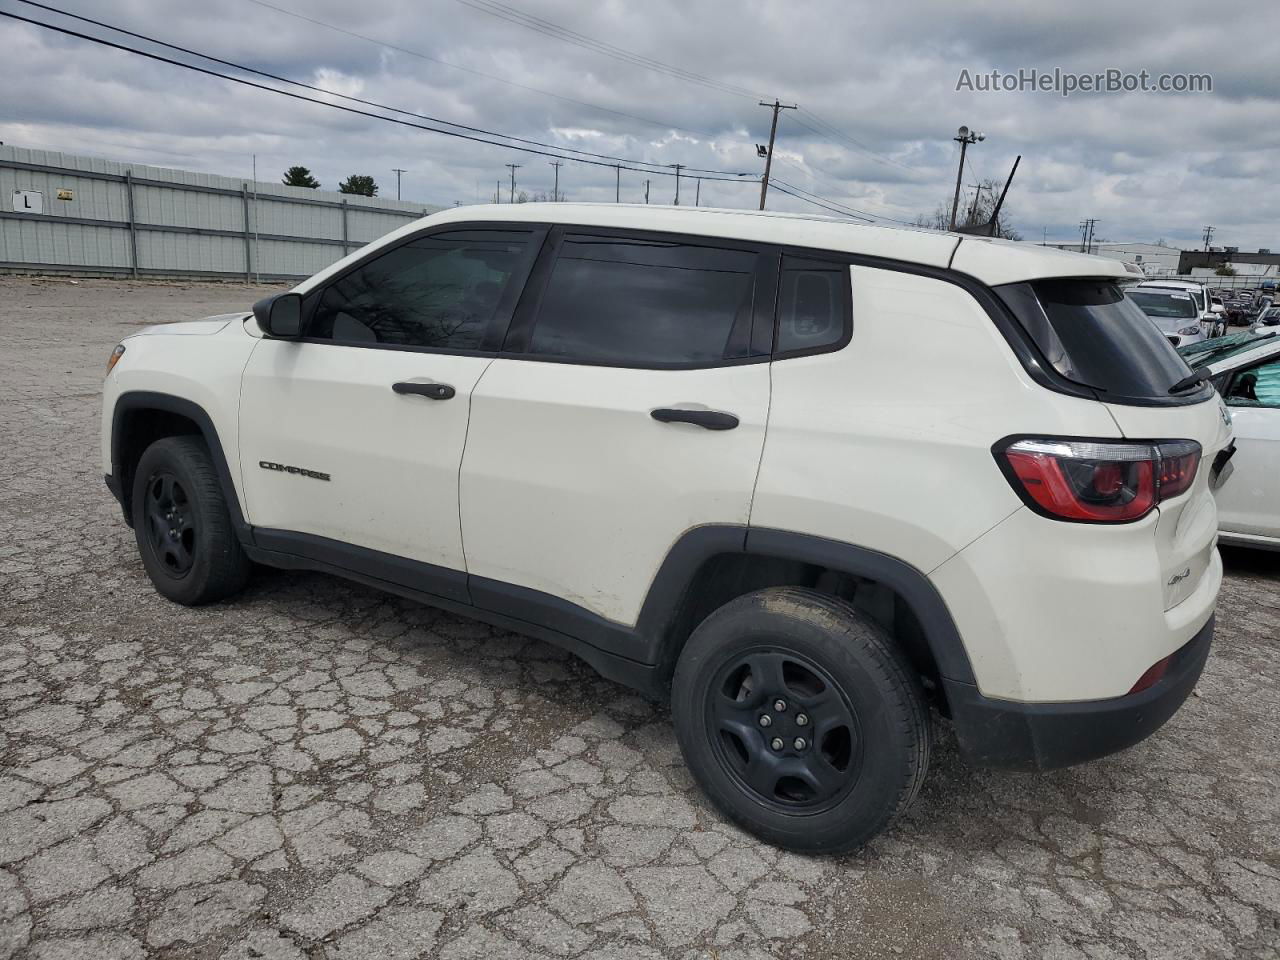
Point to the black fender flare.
(700, 544)
(133, 401)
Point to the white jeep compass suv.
(810, 479)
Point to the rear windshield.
(1093, 335)
(1176, 305)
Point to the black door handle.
(707, 419)
(433, 391)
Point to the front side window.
(638, 302)
(1257, 387)
(813, 305)
(437, 292)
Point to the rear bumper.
(1044, 736)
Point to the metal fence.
(91, 217)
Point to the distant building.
(1206, 263)
(1154, 259)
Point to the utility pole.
(513, 167)
(776, 106)
(497, 192)
(646, 191)
(397, 171)
(1208, 236)
(617, 183)
(555, 191)
(678, 167)
(697, 194)
(977, 197)
(1086, 235)
(964, 136)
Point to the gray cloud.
(1145, 165)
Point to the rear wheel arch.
(141, 418)
(713, 565)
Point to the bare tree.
(974, 211)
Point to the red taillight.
(1155, 673)
(1096, 481)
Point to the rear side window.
(636, 302)
(1093, 335)
(813, 306)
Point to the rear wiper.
(1196, 377)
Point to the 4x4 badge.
(1179, 577)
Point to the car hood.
(189, 328)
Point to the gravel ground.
(317, 770)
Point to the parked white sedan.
(1247, 375)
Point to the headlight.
(116, 354)
(1185, 331)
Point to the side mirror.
(1218, 308)
(280, 316)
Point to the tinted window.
(813, 304)
(1092, 334)
(636, 302)
(440, 291)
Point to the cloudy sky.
(662, 82)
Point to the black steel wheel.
(787, 732)
(170, 523)
(801, 719)
(183, 526)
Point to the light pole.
(964, 136)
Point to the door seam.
(466, 437)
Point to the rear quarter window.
(1091, 334)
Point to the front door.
(352, 436)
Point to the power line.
(479, 73)
(548, 28)
(779, 186)
(337, 106)
(554, 30)
(835, 206)
(833, 186)
(833, 132)
(343, 96)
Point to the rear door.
(353, 435)
(628, 406)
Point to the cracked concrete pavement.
(316, 770)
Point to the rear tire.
(182, 525)
(847, 739)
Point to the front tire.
(182, 525)
(801, 720)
